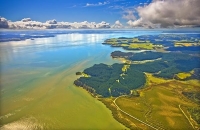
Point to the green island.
(158, 88)
(186, 43)
(132, 43)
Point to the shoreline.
(121, 114)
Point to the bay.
(37, 75)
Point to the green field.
(150, 89)
(160, 104)
(132, 44)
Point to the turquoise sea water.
(37, 75)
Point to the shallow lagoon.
(37, 77)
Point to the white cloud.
(116, 7)
(26, 19)
(117, 25)
(27, 23)
(51, 21)
(136, 23)
(169, 13)
(96, 4)
(141, 23)
(103, 25)
(3, 23)
(129, 15)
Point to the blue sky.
(68, 10)
(116, 13)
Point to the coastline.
(121, 115)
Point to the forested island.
(168, 61)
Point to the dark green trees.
(107, 80)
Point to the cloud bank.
(168, 13)
(27, 23)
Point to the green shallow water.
(54, 103)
